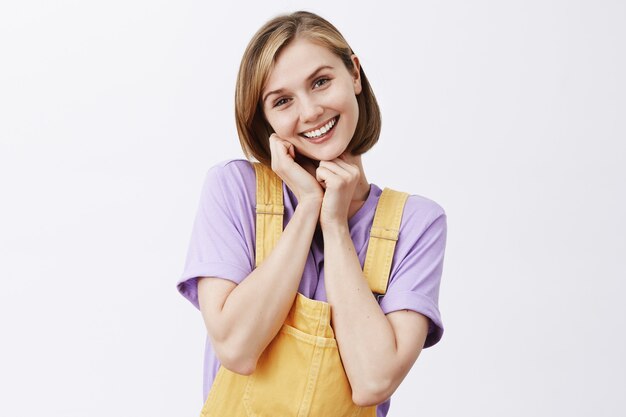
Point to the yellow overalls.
(300, 373)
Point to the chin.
(326, 154)
(330, 158)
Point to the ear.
(356, 74)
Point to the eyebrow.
(313, 74)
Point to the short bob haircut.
(256, 64)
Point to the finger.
(322, 174)
(276, 140)
(346, 165)
(281, 146)
(331, 166)
(278, 152)
(273, 140)
(336, 169)
(326, 176)
(320, 178)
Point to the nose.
(310, 110)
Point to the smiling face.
(310, 99)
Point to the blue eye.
(321, 82)
(280, 102)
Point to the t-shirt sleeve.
(417, 267)
(222, 236)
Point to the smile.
(321, 131)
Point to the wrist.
(335, 228)
(310, 207)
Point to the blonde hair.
(256, 64)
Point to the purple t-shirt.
(223, 245)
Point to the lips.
(321, 130)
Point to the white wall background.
(510, 114)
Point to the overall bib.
(300, 373)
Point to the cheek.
(282, 123)
(346, 100)
(355, 107)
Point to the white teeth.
(321, 131)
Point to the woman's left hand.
(339, 177)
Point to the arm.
(377, 350)
(241, 320)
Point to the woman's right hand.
(303, 184)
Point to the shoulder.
(231, 170)
(229, 176)
(231, 183)
(423, 206)
(421, 213)
(422, 216)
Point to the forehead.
(297, 61)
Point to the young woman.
(318, 289)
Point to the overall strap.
(269, 210)
(383, 237)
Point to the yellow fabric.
(300, 373)
(269, 211)
(383, 237)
